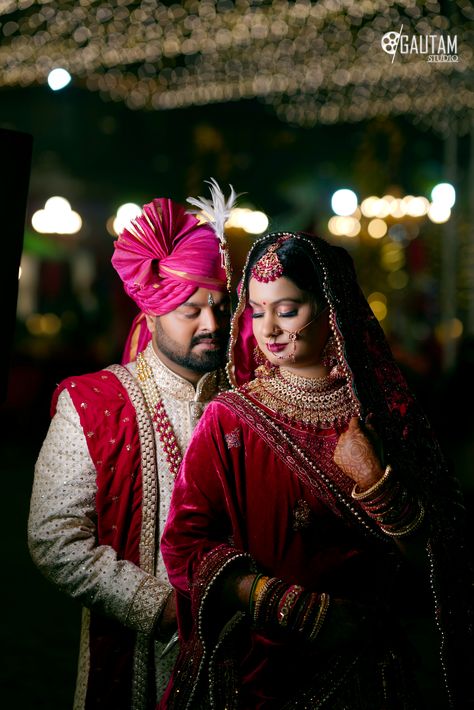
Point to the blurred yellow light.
(377, 228)
(397, 279)
(381, 208)
(397, 209)
(377, 296)
(344, 226)
(456, 328)
(349, 226)
(333, 225)
(43, 324)
(392, 257)
(50, 324)
(125, 214)
(256, 222)
(368, 206)
(33, 324)
(449, 331)
(416, 206)
(379, 309)
(251, 221)
(439, 213)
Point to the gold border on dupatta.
(147, 549)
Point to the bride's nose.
(269, 327)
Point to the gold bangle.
(258, 587)
(323, 607)
(369, 492)
(411, 527)
(258, 594)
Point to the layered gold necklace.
(323, 402)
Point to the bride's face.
(279, 308)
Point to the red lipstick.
(276, 347)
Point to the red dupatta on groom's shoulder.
(109, 421)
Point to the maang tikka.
(269, 267)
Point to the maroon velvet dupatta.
(246, 484)
(245, 497)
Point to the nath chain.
(159, 415)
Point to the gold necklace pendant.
(322, 402)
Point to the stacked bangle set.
(275, 603)
(391, 505)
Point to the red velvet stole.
(328, 485)
(200, 648)
(109, 422)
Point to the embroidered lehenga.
(259, 491)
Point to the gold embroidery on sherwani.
(184, 406)
(150, 495)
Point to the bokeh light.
(378, 303)
(58, 79)
(57, 217)
(344, 202)
(125, 214)
(377, 228)
(344, 226)
(397, 279)
(444, 194)
(250, 221)
(439, 213)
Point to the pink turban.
(163, 258)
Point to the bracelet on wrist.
(252, 591)
(391, 505)
(377, 486)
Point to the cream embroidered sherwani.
(62, 523)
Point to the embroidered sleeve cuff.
(147, 605)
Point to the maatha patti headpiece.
(269, 267)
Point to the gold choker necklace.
(323, 402)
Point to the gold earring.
(264, 367)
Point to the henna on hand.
(356, 457)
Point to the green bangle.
(252, 590)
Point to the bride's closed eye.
(287, 314)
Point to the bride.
(313, 513)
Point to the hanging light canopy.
(324, 62)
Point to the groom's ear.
(151, 323)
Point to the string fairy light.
(313, 62)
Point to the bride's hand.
(356, 456)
